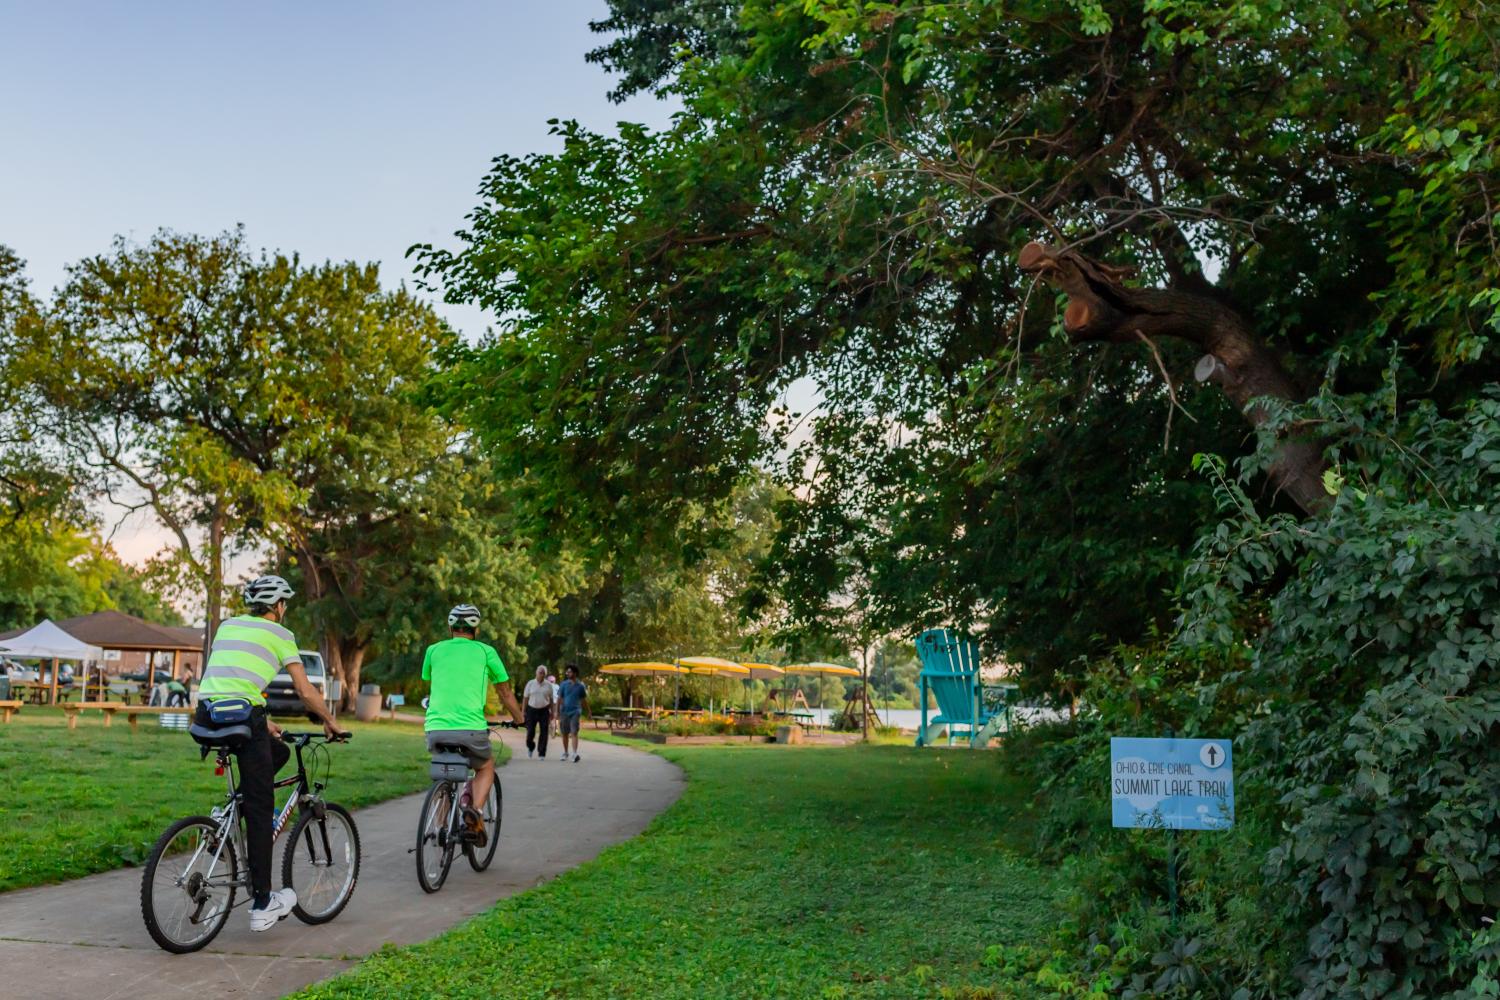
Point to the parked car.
(161, 677)
(17, 672)
(281, 696)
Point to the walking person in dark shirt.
(572, 695)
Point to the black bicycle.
(196, 867)
(440, 827)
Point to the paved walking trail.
(85, 938)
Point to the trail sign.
(1172, 784)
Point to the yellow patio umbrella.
(761, 672)
(820, 669)
(713, 666)
(647, 669)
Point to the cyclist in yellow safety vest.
(248, 651)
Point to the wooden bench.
(109, 708)
(133, 713)
(9, 708)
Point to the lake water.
(911, 718)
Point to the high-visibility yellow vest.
(247, 652)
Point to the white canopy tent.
(48, 642)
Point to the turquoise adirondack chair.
(950, 677)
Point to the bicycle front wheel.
(480, 857)
(321, 863)
(188, 887)
(435, 837)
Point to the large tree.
(149, 370)
(878, 199)
(50, 568)
(256, 404)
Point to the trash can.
(367, 703)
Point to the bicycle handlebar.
(303, 739)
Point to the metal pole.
(1171, 860)
(864, 693)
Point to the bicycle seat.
(227, 737)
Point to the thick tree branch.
(1101, 307)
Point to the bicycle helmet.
(267, 590)
(463, 615)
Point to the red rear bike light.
(219, 770)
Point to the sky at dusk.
(338, 130)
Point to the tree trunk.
(1102, 308)
(353, 655)
(213, 605)
(344, 658)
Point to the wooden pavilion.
(115, 630)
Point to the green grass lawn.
(73, 803)
(781, 872)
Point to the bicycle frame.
(228, 817)
(454, 822)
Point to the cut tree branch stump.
(1102, 308)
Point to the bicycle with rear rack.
(198, 866)
(440, 827)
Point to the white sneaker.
(279, 908)
(531, 753)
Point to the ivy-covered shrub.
(1354, 656)
(1376, 680)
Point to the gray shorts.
(476, 742)
(569, 723)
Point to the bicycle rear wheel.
(480, 857)
(435, 838)
(321, 862)
(188, 887)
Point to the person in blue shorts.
(572, 695)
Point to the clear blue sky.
(339, 130)
(334, 129)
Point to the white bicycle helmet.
(267, 590)
(465, 615)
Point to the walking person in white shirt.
(539, 698)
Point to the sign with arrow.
(1172, 784)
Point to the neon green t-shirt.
(461, 671)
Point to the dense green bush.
(1378, 697)
(1352, 657)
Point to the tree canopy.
(844, 202)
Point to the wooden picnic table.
(35, 692)
(8, 708)
(109, 708)
(622, 717)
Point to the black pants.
(538, 719)
(259, 760)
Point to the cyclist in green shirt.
(460, 670)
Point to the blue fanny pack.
(229, 711)
(228, 724)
